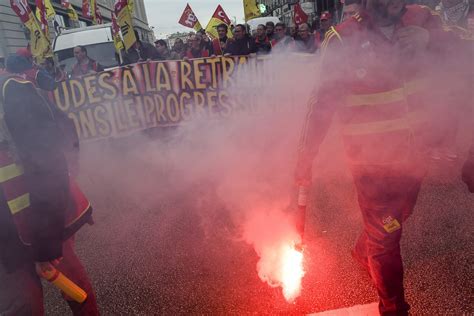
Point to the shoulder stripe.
(337, 34)
(325, 43)
(18, 80)
(329, 36)
(357, 17)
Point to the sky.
(163, 15)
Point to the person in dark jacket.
(55, 72)
(140, 51)
(31, 134)
(219, 45)
(163, 51)
(262, 42)
(243, 44)
(270, 30)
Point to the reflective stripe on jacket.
(384, 111)
(15, 190)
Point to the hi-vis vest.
(384, 114)
(14, 188)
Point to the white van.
(96, 39)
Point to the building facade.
(13, 34)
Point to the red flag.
(189, 19)
(98, 16)
(42, 15)
(217, 18)
(22, 9)
(119, 5)
(115, 26)
(86, 9)
(299, 16)
(221, 15)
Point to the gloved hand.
(468, 172)
(43, 267)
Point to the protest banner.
(154, 94)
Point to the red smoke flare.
(274, 237)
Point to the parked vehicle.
(96, 39)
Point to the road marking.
(357, 310)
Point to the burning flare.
(274, 238)
(291, 273)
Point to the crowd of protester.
(266, 39)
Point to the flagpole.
(120, 56)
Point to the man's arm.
(38, 142)
(321, 108)
(322, 105)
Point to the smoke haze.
(244, 164)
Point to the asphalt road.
(152, 251)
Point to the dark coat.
(39, 144)
(263, 46)
(142, 52)
(244, 46)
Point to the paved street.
(162, 248)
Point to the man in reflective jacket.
(378, 66)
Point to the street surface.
(159, 248)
